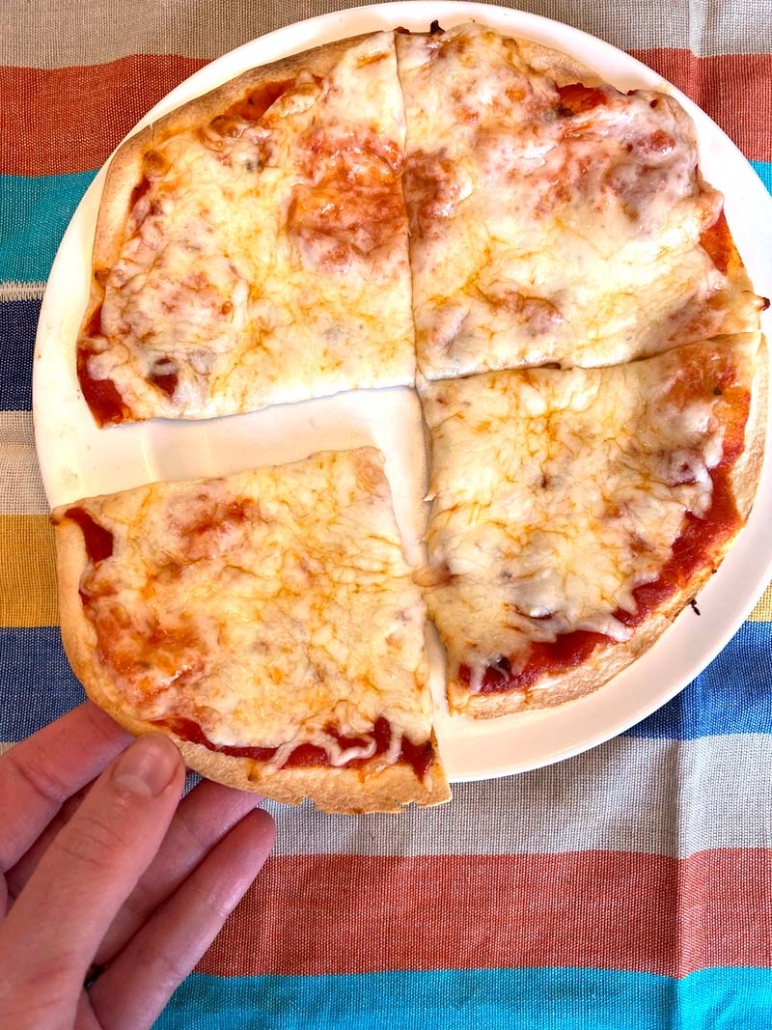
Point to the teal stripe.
(34, 213)
(462, 999)
(764, 172)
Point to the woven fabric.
(630, 886)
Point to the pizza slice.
(251, 246)
(553, 218)
(266, 621)
(576, 512)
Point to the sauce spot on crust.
(577, 98)
(165, 375)
(98, 540)
(717, 241)
(253, 106)
(101, 395)
(139, 191)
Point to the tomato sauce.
(101, 395)
(98, 540)
(165, 377)
(418, 756)
(253, 106)
(717, 241)
(577, 98)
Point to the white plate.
(78, 460)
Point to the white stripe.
(55, 35)
(661, 797)
(21, 291)
(21, 488)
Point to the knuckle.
(170, 969)
(213, 900)
(91, 841)
(42, 780)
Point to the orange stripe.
(76, 116)
(745, 114)
(316, 914)
(70, 119)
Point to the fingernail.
(148, 766)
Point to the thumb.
(52, 932)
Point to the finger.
(90, 869)
(17, 877)
(132, 991)
(203, 818)
(39, 774)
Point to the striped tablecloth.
(628, 887)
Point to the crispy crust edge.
(604, 664)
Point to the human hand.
(118, 873)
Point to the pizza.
(532, 250)
(576, 512)
(268, 621)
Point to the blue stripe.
(732, 696)
(34, 213)
(720, 701)
(460, 999)
(764, 172)
(36, 682)
(18, 323)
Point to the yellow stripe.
(28, 595)
(27, 571)
(763, 610)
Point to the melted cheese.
(267, 260)
(557, 493)
(541, 234)
(267, 607)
